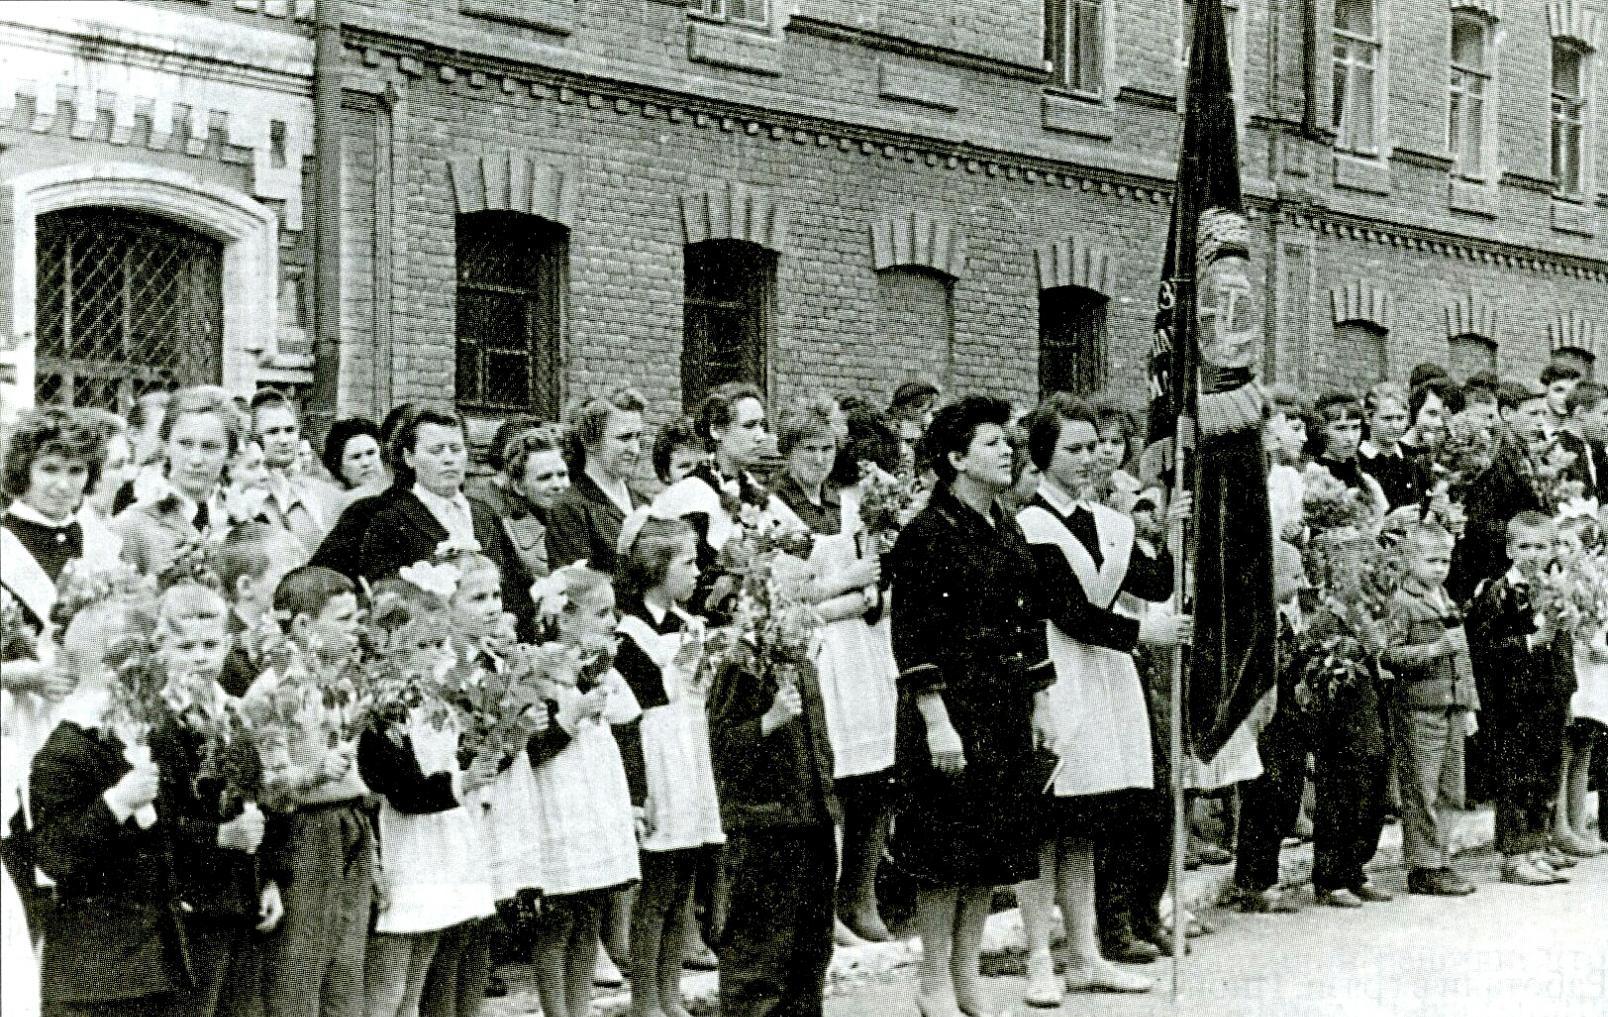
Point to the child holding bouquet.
(1582, 539)
(433, 872)
(113, 941)
(1530, 678)
(216, 831)
(583, 802)
(667, 759)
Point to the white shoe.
(605, 973)
(1044, 989)
(1103, 976)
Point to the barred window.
(1568, 118)
(1356, 76)
(730, 288)
(1074, 44)
(1470, 82)
(1072, 340)
(511, 282)
(1472, 353)
(1360, 354)
(746, 12)
(127, 303)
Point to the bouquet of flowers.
(774, 623)
(1573, 594)
(1546, 475)
(1328, 504)
(18, 639)
(496, 712)
(229, 737)
(887, 503)
(1332, 660)
(137, 706)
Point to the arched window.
(511, 281)
(1471, 353)
(1359, 353)
(916, 318)
(1072, 340)
(730, 289)
(127, 303)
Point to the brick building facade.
(541, 198)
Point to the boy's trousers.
(777, 940)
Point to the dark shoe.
(1211, 854)
(1438, 883)
(1159, 938)
(698, 957)
(496, 986)
(1128, 949)
(1370, 894)
(1264, 902)
(1338, 899)
(868, 925)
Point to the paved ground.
(1508, 951)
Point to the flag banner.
(1208, 344)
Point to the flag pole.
(1175, 545)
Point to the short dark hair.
(718, 409)
(953, 428)
(1478, 394)
(912, 399)
(242, 554)
(1511, 394)
(1043, 424)
(1529, 519)
(265, 397)
(1560, 372)
(507, 431)
(872, 438)
(643, 565)
(304, 591)
(678, 433)
(1108, 411)
(1450, 395)
(1585, 396)
(516, 454)
(1483, 378)
(340, 434)
(52, 431)
(1424, 372)
(407, 440)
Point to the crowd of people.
(293, 734)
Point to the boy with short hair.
(1432, 702)
(324, 854)
(251, 561)
(1528, 674)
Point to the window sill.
(555, 16)
(1573, 215)
(1475, 197)
(1067, 113)
(722, 44)
(1361, 173)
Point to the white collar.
(1058, 497)
(657, 613)
(435, 503)
(28, 514)
(86, 707)
(1516, 578)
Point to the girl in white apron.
(667, 756)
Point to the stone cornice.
(801, 24)
(1131, 179)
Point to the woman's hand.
(1165, 629)
(481, 772)
(1045, 733)
(270, 908)
(244, 832)
(944, 745)
(1182, 508)
(863, 572)
(48, 681)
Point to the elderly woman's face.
(56, 485)
(546, 477)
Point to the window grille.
(747, 12)
(1073, 340)
(127, 303)
(1470, 82)
(1568, 119)
(730, 286)
(1074, 44)
(511, 270)
(1356, 67)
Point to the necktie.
(203, 517)
(1081, 523)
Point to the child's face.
(1388, 423)
(1429, 562)
(1112, 450)
(335, 630)
(477, 604)
(683, 460)
(1341, 438)
(589, 621)
(1287, 437)
(423, 648)
(194, 646)
(681, 576)
(1531, 549)
(88, 636)
(249, 470)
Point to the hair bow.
(439, 578)
(551, 592)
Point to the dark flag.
(1202, 390)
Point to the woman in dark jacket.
(343, 546)
(426, 507)
(533, 477)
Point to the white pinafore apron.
(675, 748)
(1102, 724)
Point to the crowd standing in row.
(296, 736)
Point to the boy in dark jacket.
(773, 770)
(1529, 678)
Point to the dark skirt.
(983, 826)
